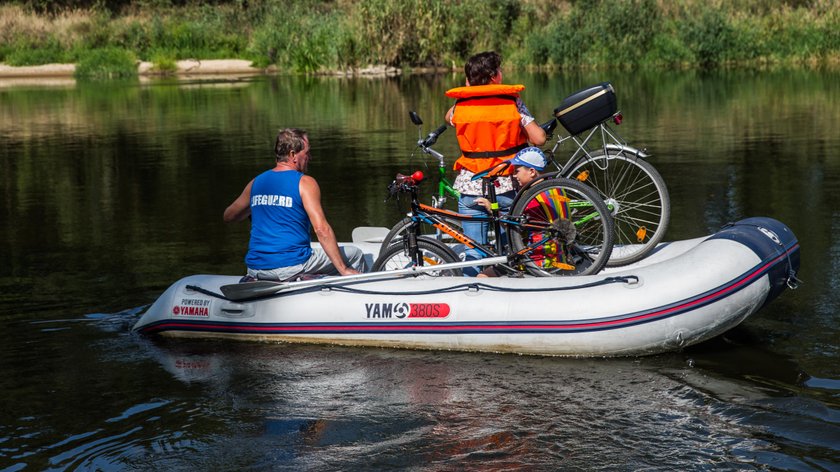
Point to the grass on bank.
(342, 34)
(106, 63)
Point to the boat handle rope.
(627, 279)
(793, 282)
(474, 287)
(204, 291)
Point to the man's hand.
(348, 271)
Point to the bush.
(27, 54)
(106, 63)
(668, 51)
(433, 32)
(709, 37)
(164, 64)
(311, 44)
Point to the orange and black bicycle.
(556, 227)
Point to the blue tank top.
(279, 223)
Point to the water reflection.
(394, 408)
(184, 404)
(110, 192)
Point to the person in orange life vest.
(282, 203)
(492, 125)
(527, 165)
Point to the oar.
(261, 288)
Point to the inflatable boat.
(683, 293)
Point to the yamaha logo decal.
(406, 310)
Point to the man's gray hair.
(288, 140)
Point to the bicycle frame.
(437, 218)
(582, 153)
(610, 141)
(444, 185)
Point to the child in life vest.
(527, 165)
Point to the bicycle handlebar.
(549, 126)
(432, 137)
(412, 179)
(404, 183)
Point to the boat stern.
(775, 245)
(181, 305)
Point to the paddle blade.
(246, 290)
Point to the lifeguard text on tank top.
(271, 200)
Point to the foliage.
(422, 32)
(340, 34)
(311, 44)
(24, 53)
(164, 64)
(106, 63)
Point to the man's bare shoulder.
(309, 188)
(308, 182)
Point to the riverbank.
(192, 67)
(187, 67)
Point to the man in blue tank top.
(282, 202)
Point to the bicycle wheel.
(433, 252)
(637, 195)
(570, 225)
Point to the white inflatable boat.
(684, 293)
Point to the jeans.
(478, 230)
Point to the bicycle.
(631, 187)
(557, 227)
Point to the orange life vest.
(488, 125)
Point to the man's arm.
(241, 207)
(310, 193)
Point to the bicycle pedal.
(562, 266)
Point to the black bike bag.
(587, 108)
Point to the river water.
(110, 192)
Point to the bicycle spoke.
(638, 201)
(430, 252)
(568, 229)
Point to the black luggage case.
(587, 108)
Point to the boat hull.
(685, 293)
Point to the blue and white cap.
(532, 157)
